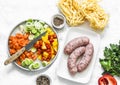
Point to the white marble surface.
(14, 11)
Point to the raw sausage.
(72, 59)
(83, 63)
(75, 43)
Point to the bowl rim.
(52, 61)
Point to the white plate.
(82, 77)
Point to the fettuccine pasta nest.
(77, 11)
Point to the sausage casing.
(83, 63)
(72, 59)
(75, 43)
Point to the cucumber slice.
(33, 49)
(31, 37)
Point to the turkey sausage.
(83, 63)
(72, 59)
(75, 43)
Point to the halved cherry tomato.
(107, 79)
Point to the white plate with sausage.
(67, 69)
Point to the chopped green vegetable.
(27, 62)
(34, 31)
(34, 27)
(30, 20)
(46, 26)
(34, 65)
(37, 34)
(33, 49)
(21, 27)
(42, 22)
(111, 62)
(23, 64)
(31, 37)
(45, 63)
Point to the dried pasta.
(77, 11)
(94, 14)
(70, 8)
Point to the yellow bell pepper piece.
(43, 46)
(45, 54)
(40, 57)
(55, 45)
(52, 56)
(45, 38)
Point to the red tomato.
(107, 79)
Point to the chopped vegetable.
(111, 62)
(34, 65)
(33, 49)
(43, 46)
(35, 27)
(27, 62)
(34, 31)
(17, 42)
(44, 49)
(107, 79)
(45, 63)
(31, 37)
(46, 26)
(47, 47)
(22, 28)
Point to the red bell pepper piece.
(107, 79)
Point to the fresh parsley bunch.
(111, 62)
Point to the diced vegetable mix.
(47, 47)
(44, 49)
